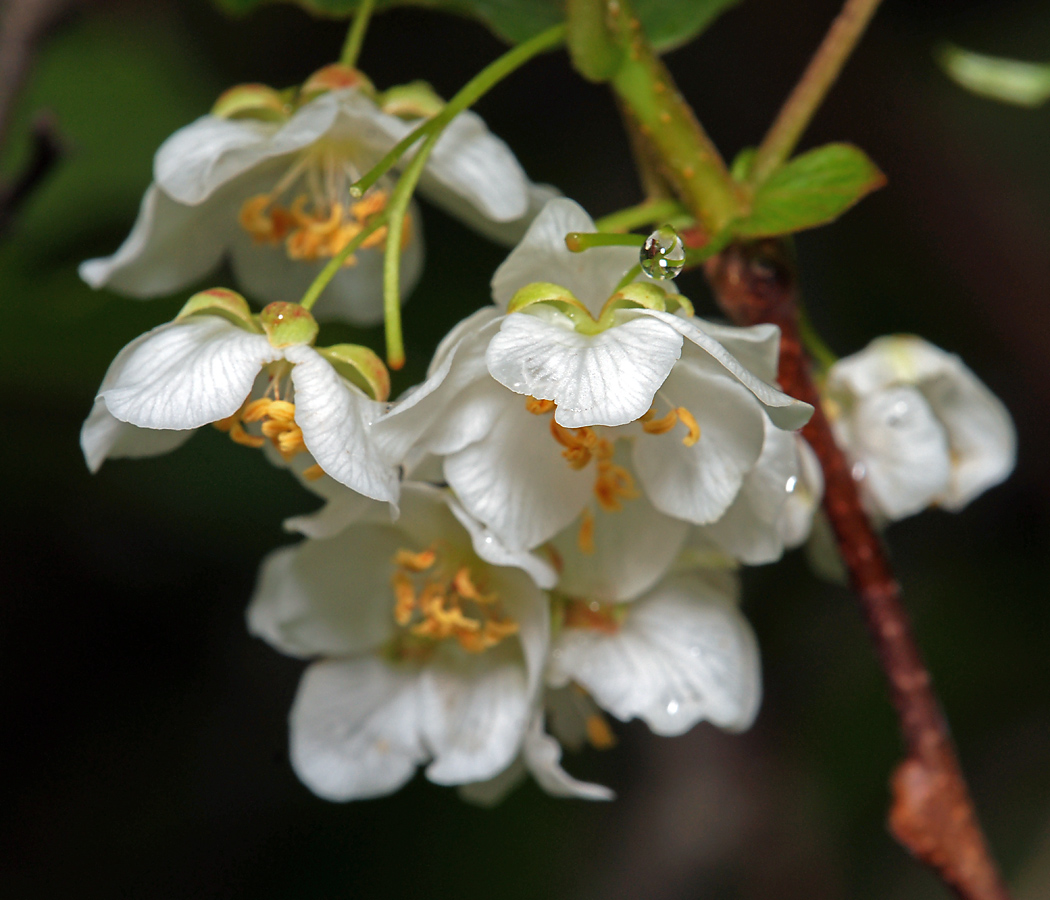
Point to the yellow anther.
(686, 418)
(599, 734)
(578, 443)
(404, 597)
(585, 536)
(369, 206)
(415, 562)
(661, 425)
(613, 484)
(313, 472)
(539, 407)
(463, 584)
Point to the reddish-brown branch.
(932, 814)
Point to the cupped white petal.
(683, 653)
(609, 378)
(203, 156)
(515, 480)
(355, 728)
(756, 348)
(170, 246)
(336, 419)
(592, 276)
(473, 714)
(542, 757)
(981, 434)
(750, 529)
(343, 507)
(785, 411)
(328, 597)
(633, 548)
(187, 373)
(354, 295)
(470, 163)
(506, 233)
(697, 483)
(103, 437)
(900, 450)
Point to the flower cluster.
(545, 532)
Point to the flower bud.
(286, 324)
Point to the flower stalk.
(355, 37)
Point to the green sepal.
(334, 77)
(252, 101)
(224, 303)
(680, 303)
(638, 293)
(415, 100)
(742, 162)
(359, 366)
(812, 189)
(594, 53)
(287, 324)
(545, 292)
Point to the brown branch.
(932, 814)
(44, 155)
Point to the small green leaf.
(1009, 80)
(810, 190)
(668, 23)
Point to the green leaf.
(668, 23)
(1009, 80)
(810, 190)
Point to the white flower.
(527, 410)
(201, 368)
(430, 641)
(269, 188)
(918, 426)
(680, 654)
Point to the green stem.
(578, 241)
(812, 88)
(336, 262)
(688, 157)
(822, 354)
(467, 96)
(648, 213)
(356, 36)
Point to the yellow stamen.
(539, 407)
(404, 598)
(585, 536)
(415, 562)
(313, 472)
(661, 425)
(686, 418)
(599, 734)
(613, 484)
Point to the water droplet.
(672, 708)
(858, 471)
(791, 484)
(897, 413)
(663, 253)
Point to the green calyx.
(361, 367)
(253, 101)
(221, 302)
(636, 295)
(287, 324)
(416, 100)
(333, 78)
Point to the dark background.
(143, 744)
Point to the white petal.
(750, 529)
(474, 713)
(354, 728)
(336, 419)
(608, 378)
(542, 755)
(201, 157)
(592, 276)
(785, 411)
(186, 374)
(354, 295)
(170, 246)
(328, 597)
(684, 653)
(103, 437)
(796, 520)
(633, 549)
(900, 449)
(491, 792)
(455, 405)
(506, 233)
(756, 348)
(515, 479)
(698, 483)
(981, 434)
(342, 508)
(470, 163)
